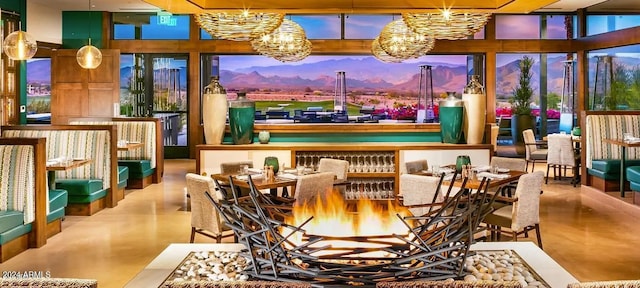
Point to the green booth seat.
(140, 173)
(609, 169)
(138, 169)
(12, 225)
(10, 219)
(58, 200)
(123, 176)
(633, 175)
(82, 191)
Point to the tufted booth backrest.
(600, 127)
(133, 131)
(81, 144)
(17, 181)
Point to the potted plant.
(521, 118)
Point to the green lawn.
(302, 105)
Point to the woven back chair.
(418, 192)
(561, 155)
(338, 167)
(416, 166)
(205, 219)
(523, 214)
(309, 187)
(533, 152)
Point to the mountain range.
(364, 74)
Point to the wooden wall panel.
(78, 92)
(100, 103)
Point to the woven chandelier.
(399, 41)
(381, 55)
(446, 25)
(240, 26)
(287, 43)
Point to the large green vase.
(242, 113)
(451, 116)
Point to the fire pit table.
(164, 264)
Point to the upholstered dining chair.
(416, 166)
(418, 192)
(533, 151)
(515, 164)
(234, 167)
(523, 214)
(309, 187)
(205, 219)
(561, 155)
(338, 167)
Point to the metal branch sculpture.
(434, 248)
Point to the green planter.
(520, 123)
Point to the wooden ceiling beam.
(351, 6)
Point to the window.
(39, 90)
(365, 26)
(150, 26)
(546, 26)
(620, 92)
(311, 82)
(597, 24)
(319, 26)
(556, 26)
(517, 27)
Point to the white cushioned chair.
(533, 151)
(416, 166)
(205, 219)
(523, 214)
(418, 192)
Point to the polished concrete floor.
(594, 236)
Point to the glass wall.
(155, 85)
(543, 26)
(371, 84)
(150, 26)
(549, 85)
(597, 24)
(320, 26)
(614, 78)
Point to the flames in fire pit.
(345, 224)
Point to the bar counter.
(287, 131)
(370, 161)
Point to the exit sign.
(166, 19)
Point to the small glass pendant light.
(89, 57)
(19, 45)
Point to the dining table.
(624, 144)
(506, 178)
(128, 146)
(260, 182)
(62, 165)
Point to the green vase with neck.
(241, 119)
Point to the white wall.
(45, 22)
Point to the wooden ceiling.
(351, 6)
